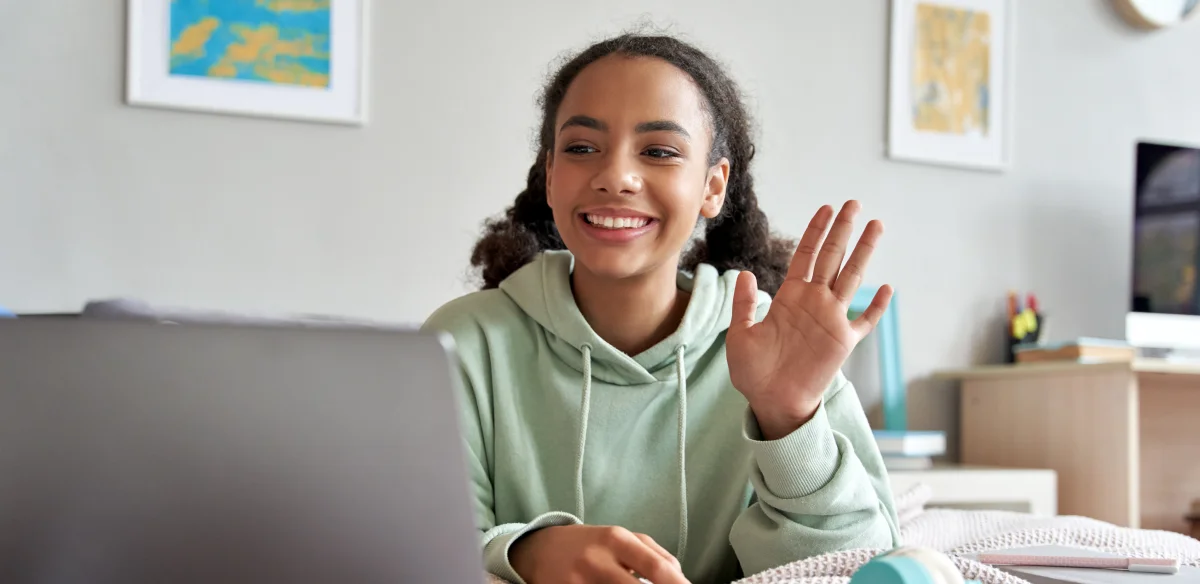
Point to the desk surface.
(1051, 367)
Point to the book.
(911, 442)
(1088, 350)
(892, 462)
(1056, 575)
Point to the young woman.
(635, 402)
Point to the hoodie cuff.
(798, 464)
(498, 540)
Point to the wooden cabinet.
(1122, 438)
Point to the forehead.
(622, 90)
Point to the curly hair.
(739, 238)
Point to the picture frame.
(950, 83)
(286, 59)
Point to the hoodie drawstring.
(681, 372)
(583, 421)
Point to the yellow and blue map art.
(267, 41)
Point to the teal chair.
(887, 338)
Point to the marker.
(1150, 565)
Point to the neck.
(631, 314)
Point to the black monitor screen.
(1166, 243)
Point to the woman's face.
(629, 177)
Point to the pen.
(1152, 565)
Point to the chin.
(613, 264)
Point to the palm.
(784, 363)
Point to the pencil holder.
(1028, 325)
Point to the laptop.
(135, 452)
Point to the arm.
(818, 478)
(475, 422)
(496, 540)
(821, 488)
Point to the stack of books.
(910, 450)
(1085, 350)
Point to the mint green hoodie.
(561, 428)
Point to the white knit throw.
(958, 533)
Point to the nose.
(617, 175)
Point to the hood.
(542, 288)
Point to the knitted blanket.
(961, 533)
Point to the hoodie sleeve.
(475, 421)
(495, 540)
(820, 489)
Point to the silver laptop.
(135, 452)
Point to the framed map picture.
(298, 59)
(949, 82)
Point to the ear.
(549, 168)
(714, 189)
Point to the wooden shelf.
(1071, 367)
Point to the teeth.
(617, 222)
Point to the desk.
(1123, 438)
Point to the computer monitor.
(1164, 311)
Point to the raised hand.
(586, 553)
(784, 363)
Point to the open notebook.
(1045, 575)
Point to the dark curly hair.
(739, 238)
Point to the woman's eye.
(661, 153)
(579, 149)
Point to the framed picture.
(950, 77)
(296, 59)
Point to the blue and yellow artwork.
(267, 41)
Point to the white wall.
(99, 199)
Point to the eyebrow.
(642, 128)
(662, 126)
(585, 122)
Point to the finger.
(851, 276)
(646, 539)
(867, 321)
(603, 564)
(805, 257)
(745, 301)
(646, 562)
(833, 251)
(616, 574)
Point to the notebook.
(1045, 575)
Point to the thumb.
(745, 301)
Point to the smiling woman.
(613, 358)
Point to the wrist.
(776, 422)
(523, 553)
